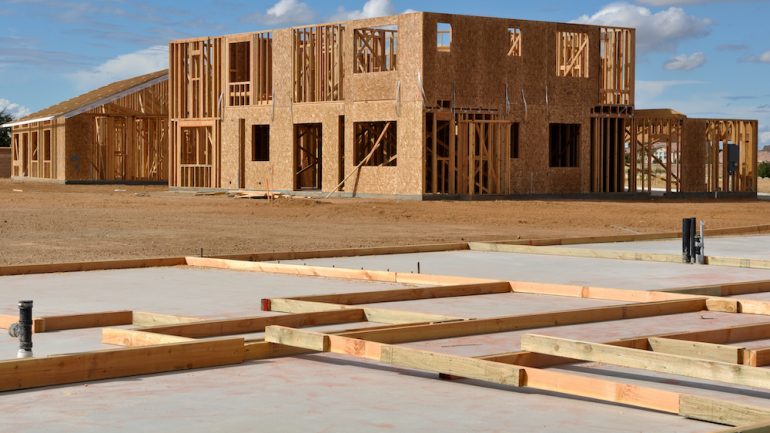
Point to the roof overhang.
(88, 107)
(24, 122)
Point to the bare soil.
(41, 223)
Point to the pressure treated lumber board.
(419, 332)
(576, 252)
(696, 349)
(113, 363)
(759, 427)
(554, 381)
(397, 356)
(410, 294)
(87, 320)
(640, 359)
(248, 325)
(379, 315)
(321, 271)
(136, 338)
(144, 318)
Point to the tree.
(764, 169)
(5, 133)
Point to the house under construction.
(430, 105)
(117, 133)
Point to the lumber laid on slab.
(738, 262)
(757, 357)
(88, 320)
(421, 332)
(492, 372)
(576, 252)
(607, 293)
(410, 294)
(725, 289)
(136, 338)
(91, 266)
(645, 360)
(144, 318)
(379, 315)
(696, 349)
(397, 356)
(347, 252)
(327, 272)
(6, 320)
(107, 364)
(719, 336)
(758, 427)
(721, 411)
(248, 325)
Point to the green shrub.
(764, 169)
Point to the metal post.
(685, 240)
(23, 330)
(693, 231)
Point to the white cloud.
(15, 110)
(685, 62)
(674, 2)
(762, 58)
(284, 12)
(371, 9)
(123, 66)
(659, 31)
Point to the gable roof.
(93, 99)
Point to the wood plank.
(398, 356)
(90, 266)
(576, 252)
(720, 411)
(696, 349)
(410, 294)
(248, 325)
(420, 332)
(113, 363)
(135, 338)
(343, 273)
(633, 358)
(759, 427)
(144, 318)
(757, 357)
(379, 315)
(88, 320)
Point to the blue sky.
(707, 58)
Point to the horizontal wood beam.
(758, 427)
(697, 349)
(113, 363)
(577, 291)
(652, 361)
(342, 273)
(248, 325)
(420, 332)
(379, 315)
(410, 294)
(576, 252)
(144, 318)
(136, 338)
(87, 320)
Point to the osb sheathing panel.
(478, 68)
(5, 162)
(79, 137)
(368, 97)
(694, 155)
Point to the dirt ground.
(57, 223)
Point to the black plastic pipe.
(687, 229)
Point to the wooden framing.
(376, 50)
(317, 63)
(617, 74)
(467, 154)
(725, 138)
(455, 133)
(572, 50)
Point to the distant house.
(117, 133)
